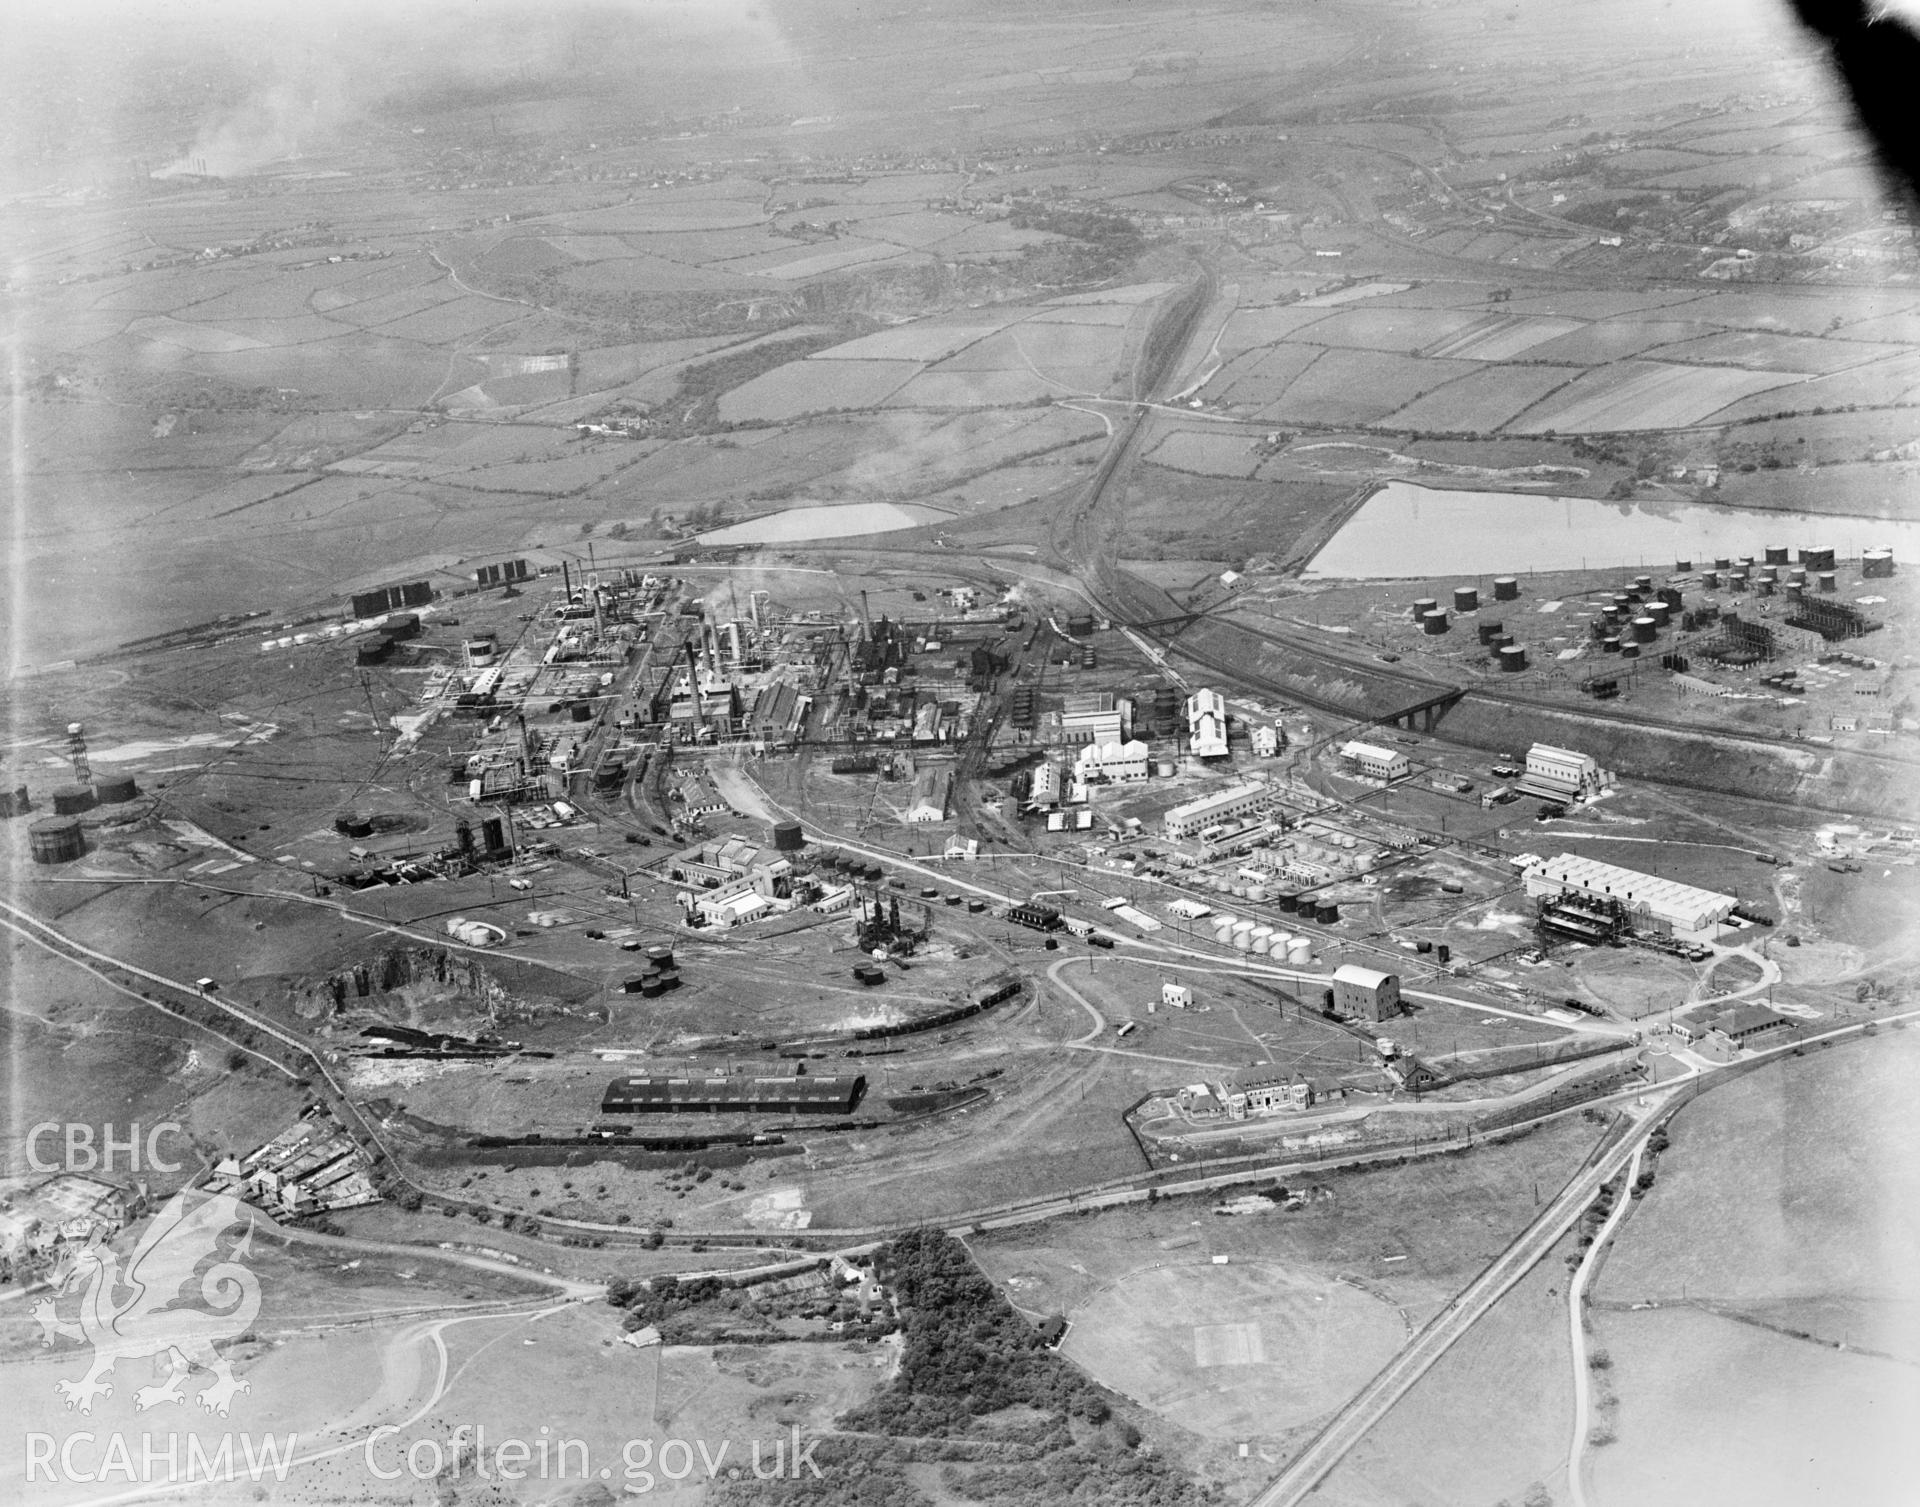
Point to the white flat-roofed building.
(1210, 810)
(1092, 717)
(1375, 762)
(1365, 993)
(1112, 761)
(1562, 774)
(1664, 904)
(1207, 724)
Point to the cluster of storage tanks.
(1433, 620)
(1817, 570)
(1264, 941)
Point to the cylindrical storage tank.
(1299, 952)
(1711, 580)
(1770, 574)
(1488, 630)
(1796, 590)
(1682, 567)
(1434, 623)
(1422, 606)
(583, 711)
(788, 838)
(1821, 559)
(1763, 588)
(1223, 932)
(1287, 901)
(1737, 581)
(1500, 641)
(1466, 599)
(1796, 577)
(1610, 644)
(1629, 651)
(1164, 768)
(1506, 588)
(1277, 948)
(1512, 658)
(1660, 612)
(1776, 554)
(1623, 599)
(1257, 893)
(1747, 562)
(56, 839)
(1828, 582)
(71, 800)
(1239, 892)
(1643, 584)
(1349, 841)
(1723, 563)
(1326, 915)
(1262, 938)
(1875, 563)
(116, 791)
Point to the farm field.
(1774, 1195)
(1770, 1247)
(1803, 1421)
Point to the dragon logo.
(146, 1321)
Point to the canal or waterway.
(1415, 531)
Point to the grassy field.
(1248, 1350)
(1710, 1409)
(1488, 1423)
(1788, 1187)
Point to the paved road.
(1370, 1404)
(1576, 1291)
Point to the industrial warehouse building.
(1647, 901)
(1210, 810)
(1365, 993)
(1375, 762)
(932, 789)
(1112, 761)
(831, 1094)
(1207, 724)
(1562, 774)
(1091, 717)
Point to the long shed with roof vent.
(737, 1093)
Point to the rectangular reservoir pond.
(839, 522)
(1415, 531)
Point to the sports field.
(1249, 1348)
